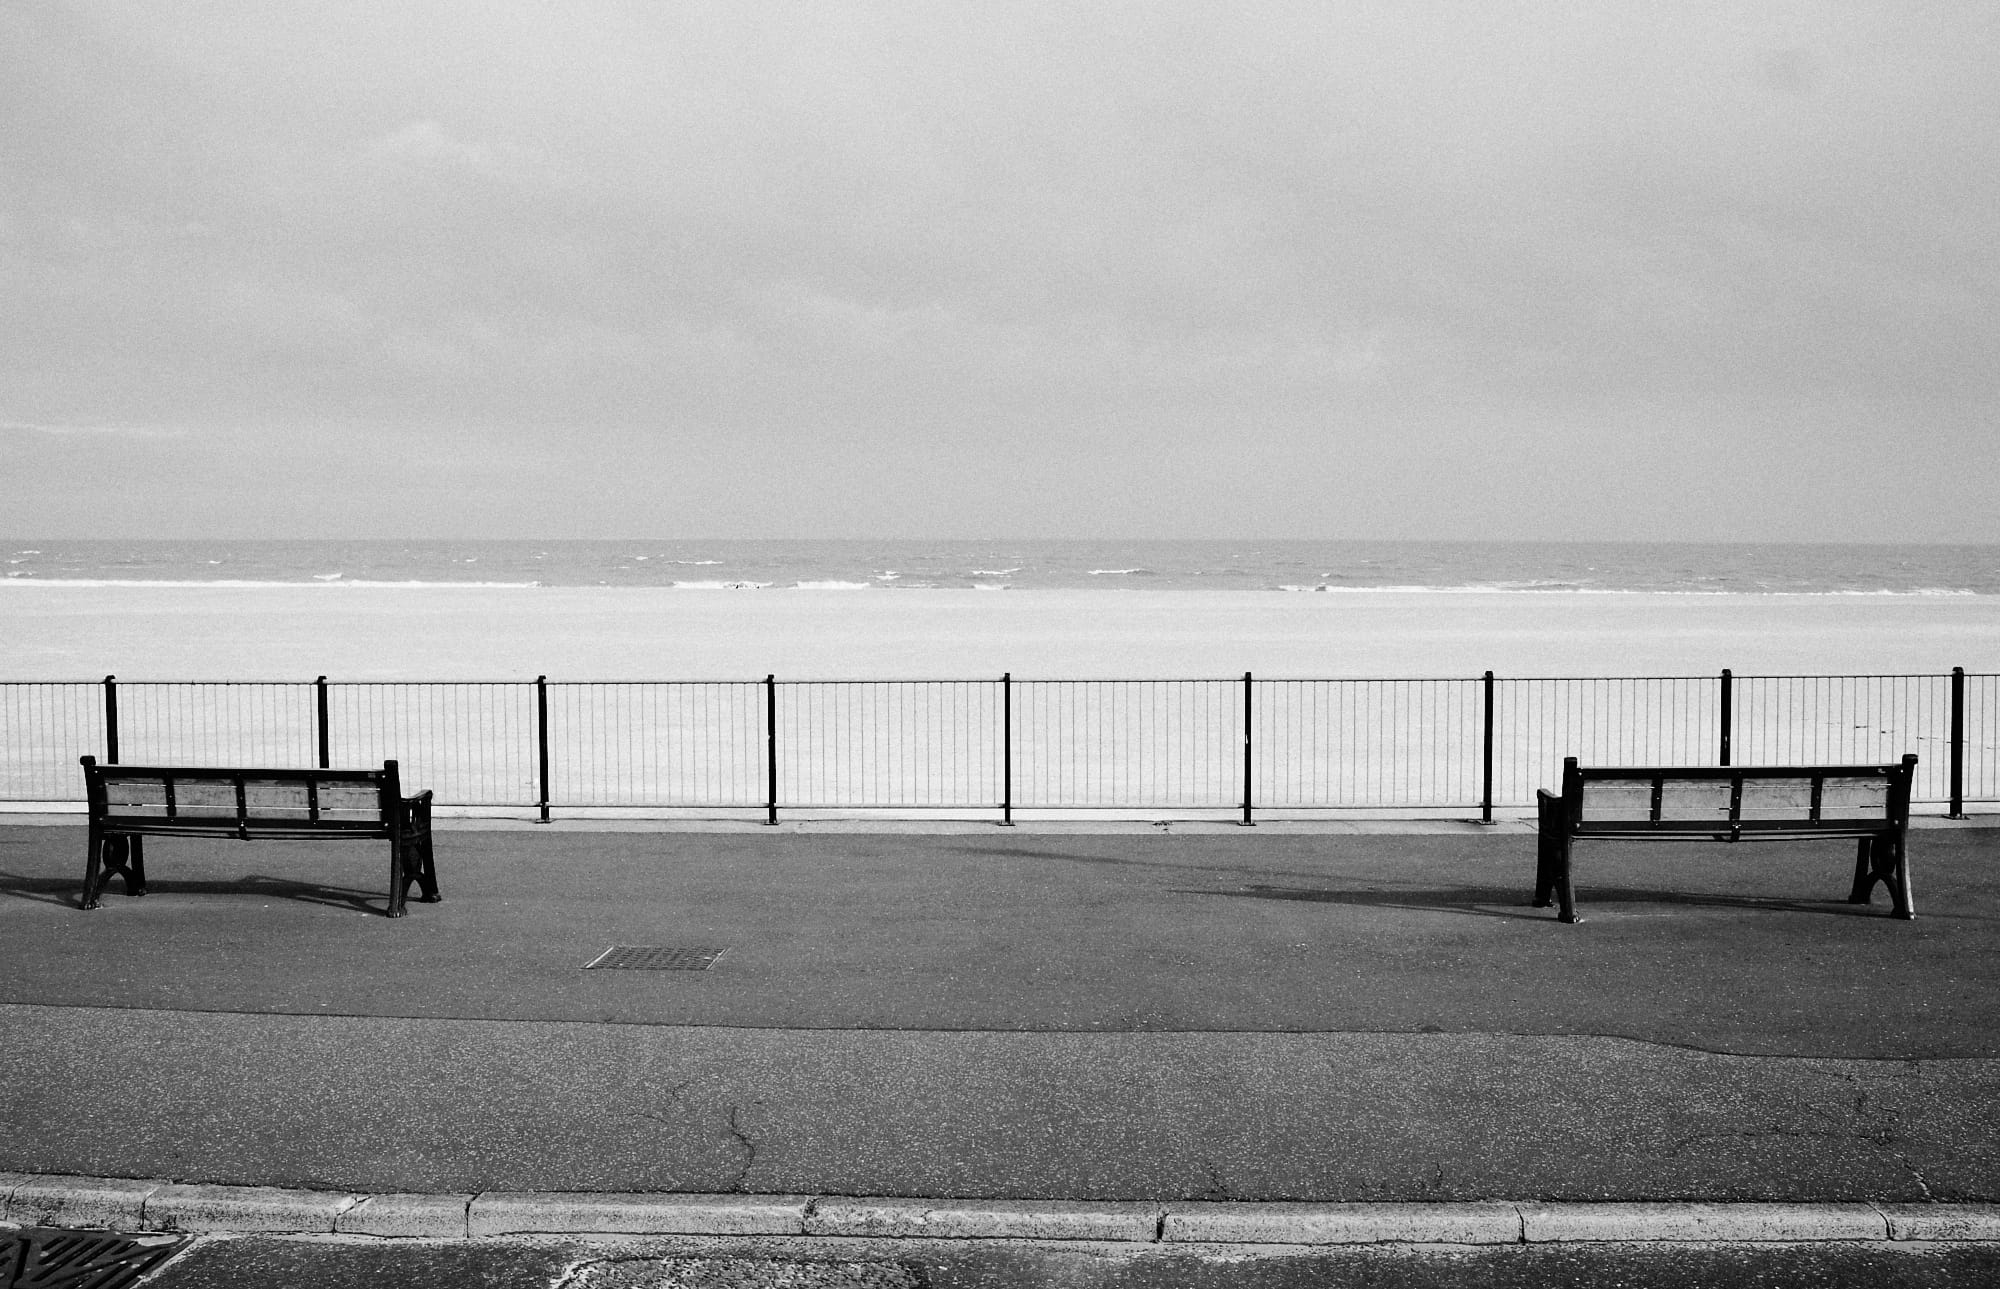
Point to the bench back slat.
(245, 801)
(1749, 799)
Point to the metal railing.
(1240, 747)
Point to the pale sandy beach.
(584, 633)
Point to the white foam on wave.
(1121, 572)
(239, 584)
(720, 586)
(835, 586)
(1561, 588)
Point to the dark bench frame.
(115, 846)
(1881, 854)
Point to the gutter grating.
(649, 957)
(51, 1259)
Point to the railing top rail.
(1844, 675)
(123, 681)
(1235, 678)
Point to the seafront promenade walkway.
(1125, 1013)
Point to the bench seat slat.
(1764, 829)
(255, 831)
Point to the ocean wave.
(1567, 588)
(995, 572)
(1123, 572)
(720, 586)
(834, 586)
(237, 584)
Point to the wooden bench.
(131, 802)
(1870, 803)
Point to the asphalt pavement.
(1140, 1014)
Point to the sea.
(776, 565)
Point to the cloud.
(429, 143)
(1310, 231)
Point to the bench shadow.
(67, 892)
(1512, 902)
(41, 890)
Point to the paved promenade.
(1201, 1013)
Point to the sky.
(606, 268)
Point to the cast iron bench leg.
(1545, 843)
(111, 857)
(93, 877)
(398, 878)
(135, 866)
(1864, 872)
(1898, 881)
(1883, 859)
(1565, 893)
(427, 877)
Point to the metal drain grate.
(648, 957)
(79, 1259)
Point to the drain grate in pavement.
(651, 957)
(51, 1259)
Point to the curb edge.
(52, 1200)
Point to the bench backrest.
(1705, 799)
(245, 799)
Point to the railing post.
(1728, 702)
(771, 748)
(320, 705)
(1486, 752)
(1958, 742)
(111, 720)
(1007, 749)
(1247, 691)
(542, 742)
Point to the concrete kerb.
(126, 1204)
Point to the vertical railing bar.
(1248, 711)
(771, 748)
(111, 720)
(542, 743)
(1728, 696)
(1007, 749)
(1486, 751)
(1957, 753)
(325, 725)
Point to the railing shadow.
(1477, 901)
(1486, 901)
(1120, 861)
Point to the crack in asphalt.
(749, 1145)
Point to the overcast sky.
(598, 268)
